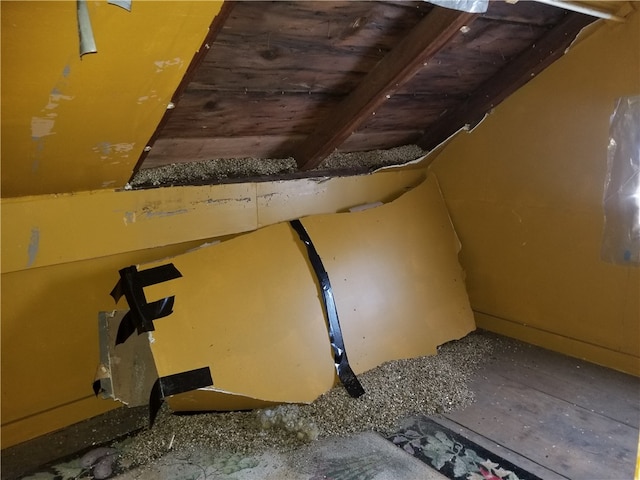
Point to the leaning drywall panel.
(396, 278)
(249, 308)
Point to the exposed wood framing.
(214, 29)
(518, 72)
(425, 40)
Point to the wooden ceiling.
(304, 79)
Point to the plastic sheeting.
(621, 238)
(471, 6)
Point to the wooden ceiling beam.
(514, 75)
(426, 39)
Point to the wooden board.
(210, 113)
(568, 416)
(302, 46)
(277, 72)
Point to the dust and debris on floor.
(428, 385)
(393, 391)
(225, 169)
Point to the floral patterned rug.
(364, 456)
(452, 454)
(427, 451)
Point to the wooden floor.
(555, 416)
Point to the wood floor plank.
(559, 435)
(610, 393)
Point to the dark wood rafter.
(424, 41)
(517, 73)
(215, 28)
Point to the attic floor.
(554, 416)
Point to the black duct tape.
(177, 383)
(97, 387)
(141, 314)
(345, 373)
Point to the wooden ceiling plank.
(215, 28)
(432, 34)
(514, 75)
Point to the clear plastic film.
(621, 237)
(471, 6)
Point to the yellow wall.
(525, 193)
(73, 124)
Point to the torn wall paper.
(249, 309)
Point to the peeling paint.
(108, 183)
(38, 148)
(54, 99)
(214, 201)
(34, 246)
(41, 127)
(129, 217)
(145, 98)
(150, 214)
(122, 147)
(106, 149)
(162, 64)
(103, 147)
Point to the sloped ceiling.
(72, 123)
(181, 83)
(306, 78)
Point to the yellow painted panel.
(281, 201)
(548, 279)
(49, 343)
(54, 419)
(525, 192)
(72, 124)
(255, 307)
(256, 320)
(396, 279)
(52, 229)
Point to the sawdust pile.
(224, 169)
(394, 390)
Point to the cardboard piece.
(250, 309)
(127, 371)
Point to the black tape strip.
(151, 276)
(177, 383)
(345, 373)
(141, 314)
(97, 387)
